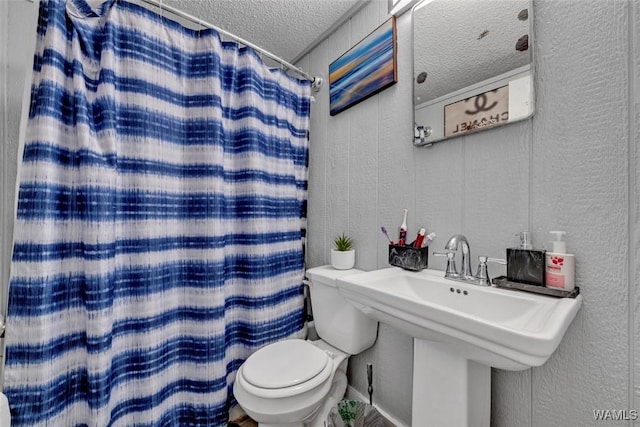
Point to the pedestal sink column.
(448, 390)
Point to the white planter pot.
(343, 260)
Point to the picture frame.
(364, 70)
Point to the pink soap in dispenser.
(560, 267)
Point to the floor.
(243, 421)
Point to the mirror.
(472, 66)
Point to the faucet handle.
(451, 271)
(482, 274)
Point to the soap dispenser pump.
(525, 264)
(560, 267)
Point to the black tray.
(503, 282)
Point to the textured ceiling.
(285, 28)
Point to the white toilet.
(295, 383)
(5, 413)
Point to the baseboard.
(353, 394)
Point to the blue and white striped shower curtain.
(160, 224)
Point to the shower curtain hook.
(161, 10)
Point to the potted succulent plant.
(343, 256)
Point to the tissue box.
(409, 258)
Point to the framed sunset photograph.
(365, 69)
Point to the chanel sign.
(478, 112)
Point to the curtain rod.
(316, 82)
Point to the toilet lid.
(284, 364)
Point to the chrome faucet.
(482, 275)
(452, 245)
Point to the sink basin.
(502, 328)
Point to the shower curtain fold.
(160, 220)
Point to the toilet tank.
(337, 321)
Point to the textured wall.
(14, 57)
(634, 204)
(3, 145)
(17, 41)
(573, 166)
(361, 176)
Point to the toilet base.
(336, 393)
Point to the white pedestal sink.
(460, 331)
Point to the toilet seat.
(285, 369)
(284, 364)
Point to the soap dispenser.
(525, 264)
(560, 267)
